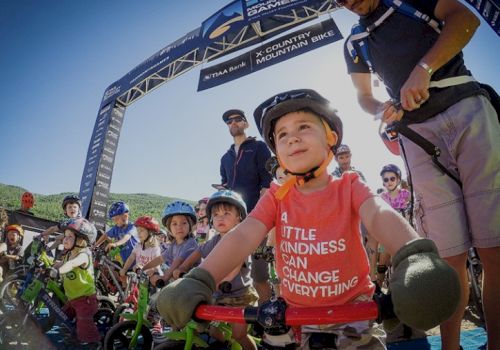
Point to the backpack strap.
(360, 33)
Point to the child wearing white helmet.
(320, 258)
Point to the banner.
(271, 53)
(98, 171)
(94, 154)
(257, 9)
(490, 11)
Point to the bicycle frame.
(37, 292)
(140, 313)
(111, 267)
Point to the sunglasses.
(235, 120)
(387, 179)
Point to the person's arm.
(153, 263)
(231, 275)
(362, 84)
(223, 175)
(187, 264)
(385, 224)
(230, 253)
(271, 238)
(120, 242)
(80, 260)
(128, 263)
(175, 264)
(101, 239)
(460, 25)
(50, 231)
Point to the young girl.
(148, 247)
(179, 218)
(10, 249)
(226, 209)
(398, 198)
(317, 219)
(202, 228)
(78, 277)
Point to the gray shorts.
(468, 134)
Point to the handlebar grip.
(160, 283)
(225, 287)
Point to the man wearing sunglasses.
(343, 159)
(243, 170)
(415, 49)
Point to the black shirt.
(397, 46)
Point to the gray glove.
(178, 301)
(425, 289)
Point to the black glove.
(178, 301)
(425, 289)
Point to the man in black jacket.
(243, 170)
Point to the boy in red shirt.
(320, 258)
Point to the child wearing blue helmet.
(179, 218)
(123, 234)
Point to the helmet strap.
(301, 178)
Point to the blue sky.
(57, 58)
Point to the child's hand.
(425, 289)
(177, 301)
(178, 273)
(154, 278)
(110, 246)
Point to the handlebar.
(275, 316)
(266, 253)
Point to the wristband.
(425, 66)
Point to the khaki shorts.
(468, 134)
(249, 298)
(365, 335)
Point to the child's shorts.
(248, 298)
(350, 336)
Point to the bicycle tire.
(121, 309)
(103, 319)
(475, 291)
(118, 337)
(105, 302)
(8, 300)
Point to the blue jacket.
(246, 172)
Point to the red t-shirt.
(320, 257)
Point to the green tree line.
(49, 206)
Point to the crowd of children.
(312, 218)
